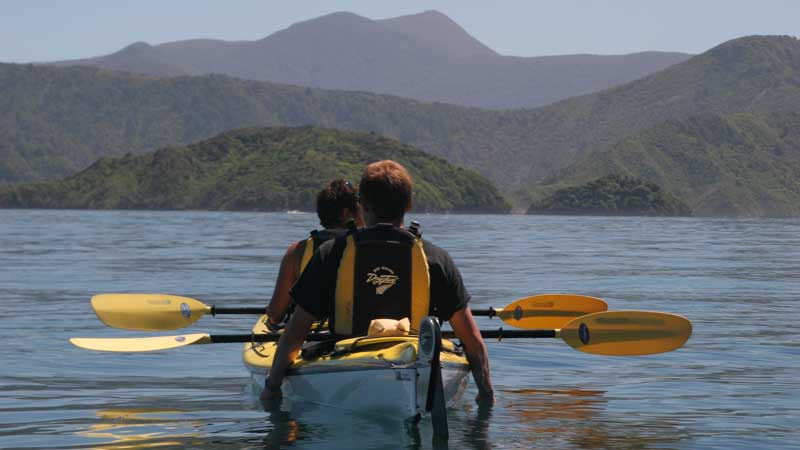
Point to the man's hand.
(286, 351)
(270, 393)
(470, 336)
(274, 327)
(485, 398)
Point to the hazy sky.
(39, 30)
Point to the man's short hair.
(386, 187)
(333, 200)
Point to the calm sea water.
(734, 385)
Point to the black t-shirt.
(315, 289)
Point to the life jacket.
(383, 273)
(306, 248)
(316, 238)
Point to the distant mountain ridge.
(758, 74)
(54, 121)
(439, 30)
(424, 56)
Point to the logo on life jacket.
(382, 278)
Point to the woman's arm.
(287, 275)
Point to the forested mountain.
(424, 56)
(259, 169)
(612, 195)
(54, 121)
(740, 164)
(753, 74)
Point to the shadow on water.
(534, 418)
(302, 425)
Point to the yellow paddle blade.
(549, 311)
(625, 333)
(134, 345)
(148, 312)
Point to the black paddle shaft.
(489, 334)
(243, 310)
(491, 312)
(504, 334)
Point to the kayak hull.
(381, 376)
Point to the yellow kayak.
(382, 375)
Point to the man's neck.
(396, 223)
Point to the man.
(337, 204)
(383, 281)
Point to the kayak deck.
(365, 375)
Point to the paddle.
(615, 333)
(545, 311)
(159, 312)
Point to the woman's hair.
(333, 200)
(386, 187)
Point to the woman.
(337, 205)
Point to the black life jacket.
(316, 238)
(383, 273)
(307, 248)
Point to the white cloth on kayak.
(389, 327)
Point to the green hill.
(740, 164)
(616, 195)
(260, 169)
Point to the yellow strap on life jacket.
(308, 252)
(345, 288)
(345, 280)
(420, 286)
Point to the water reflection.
(300, 422)
(310, 425)
(536, 407)
(476, 429)
(141, 428)
(285, 430)
(580, 418)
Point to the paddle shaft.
(160, 312)
(489, 334)
(243, 310)
(217, 310)
(491, 312)
(503, 334)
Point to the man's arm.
(287, 275)
(288, 347)
(470, 336)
